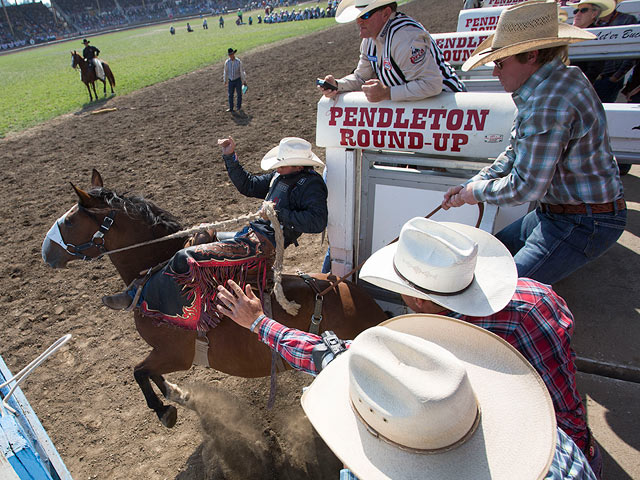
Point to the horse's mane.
(137, 206)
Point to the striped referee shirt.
(233, 70)
(405, 58)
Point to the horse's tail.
(109, 74)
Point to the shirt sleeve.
(295, 346)
(256, 186)
(362, 73)
(524, 172)
(224, 70)
(411, 50)
(243, 74)
(568, 461)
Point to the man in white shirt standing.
(234, 77)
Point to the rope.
(291, 308)
(232, 224)
(24, 373)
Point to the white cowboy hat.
(459, 267)
(430, 397)
(291, 151)
(525, 27)
(349, 10)
(606, 6)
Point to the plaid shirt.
(537, 322)
(568, 462)
(559, 151)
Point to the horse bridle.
(97, 240)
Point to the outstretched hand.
(243, 308)
(228, 145)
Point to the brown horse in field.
(89, 77)
(102, 221)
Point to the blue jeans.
(237, 86)
(326, 263)
(547, 247)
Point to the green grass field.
(39, 84)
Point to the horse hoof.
(169, 417)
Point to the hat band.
(426, 290)
(455, 444)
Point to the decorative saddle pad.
(183, 292)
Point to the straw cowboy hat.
(525, 27)
(606, 6)
(430, 397)
(459, 267)
(349, 10)
(292, 151)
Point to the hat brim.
(271, 161)
(567, 35)
(493, 285)
(348, 11)
(517, 430)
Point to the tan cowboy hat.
(525, 27)
(349, 10)
(606, 6)
(292, 151)
(429, 397)
(459, 267)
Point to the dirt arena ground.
(160, 142)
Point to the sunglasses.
(367, 15)
(581, 10)
(499, 63)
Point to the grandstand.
(34, 23)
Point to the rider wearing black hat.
(89, 53)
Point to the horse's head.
(76, 59)
(102, 221)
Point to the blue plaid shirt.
(568, 462)
(559, 151)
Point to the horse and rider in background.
(92, 69)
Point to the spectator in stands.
(477, 280)
(559, 154)
(234, 77)
(417, 69)
(607, 76)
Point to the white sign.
(466, 125)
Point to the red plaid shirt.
(537, 322)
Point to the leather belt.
(581, 209)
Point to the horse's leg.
(173, 392)
(93, 85)
(167, 414)
(104, 86)
(89, 90)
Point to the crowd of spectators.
(34, 23)
(31, 23)
(271, 16)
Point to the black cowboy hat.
(230, 51)
(84, 40)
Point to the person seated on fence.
(559, 153)
(607, 76)
(399, 60)
(90, 54)
(189, 279)
(464, 273)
